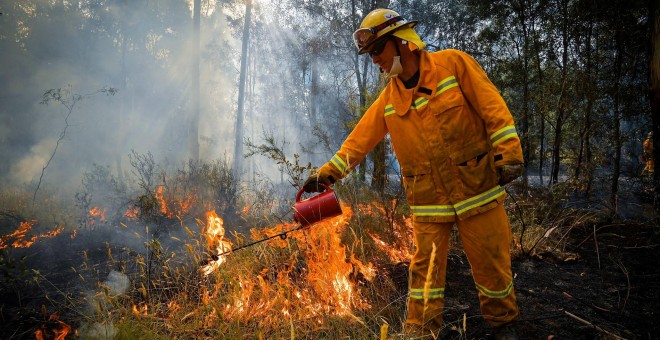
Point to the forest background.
(575, 74)
(228, 105)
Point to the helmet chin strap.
(396, 68)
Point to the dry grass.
(542, 219)
(344, 277)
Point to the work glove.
(509, 172)
(314, 182)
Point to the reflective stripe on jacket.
(449, 134)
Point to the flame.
(399, 251)
(160, 197)
(214, 233)
(96, 212)
(132, 213)
(19, 238)
(325, 286)
(140, 310)
(319, 277)
(402, 251)
(52, 233)
(185, 204)
(177, 206)
(53, 329)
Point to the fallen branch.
(619, 264)
(599, 329)
(594, 307)
(641, 247)
(596, 245)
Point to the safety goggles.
(378, 47)
(365, 36)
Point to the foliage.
(296, 172)
(169, 295)
(544, 218)
(572, 72)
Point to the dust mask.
(396, 67)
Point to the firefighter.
(648, 155)
(457, 145)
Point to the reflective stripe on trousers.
(486, 238)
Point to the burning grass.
(314, 282)
(168, 243)
(298, 285)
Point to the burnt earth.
(600, 290)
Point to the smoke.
(147, 61)
(143, 50)
(117, 283)
(30, 166)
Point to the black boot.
(506, 332)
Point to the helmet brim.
(367, 48)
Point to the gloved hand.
(314, 181)
(509, 172)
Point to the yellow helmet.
(380, 23)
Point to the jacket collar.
(402, 98)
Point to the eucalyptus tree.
(588, 90)
(135, 46)
(565, 84)
(238, 144)
(193, 125)
(623, 38)
(311, 44)
(340, 19)
(510, 36)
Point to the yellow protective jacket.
(449, 134)
(648, 148)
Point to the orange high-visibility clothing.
(486, 238)
(648, 154)
(449, 134)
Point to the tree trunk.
(541, 147)
(541, 113)
(238, 146)
(616, 172)
(654, 93)
(315, 88)
(524, 120)
(360, 74)
(561, 107)
(584, 166)
(123, 98)
(193, 128)
(379, 176)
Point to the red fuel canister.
(316, 208)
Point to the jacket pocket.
(475, 168)
(447, 101)
(449, 110)
(420, 188)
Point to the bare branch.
(68, 99)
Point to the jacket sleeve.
(490, 106)
(368, 132)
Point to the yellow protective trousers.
(486, 239)
(648, 169)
